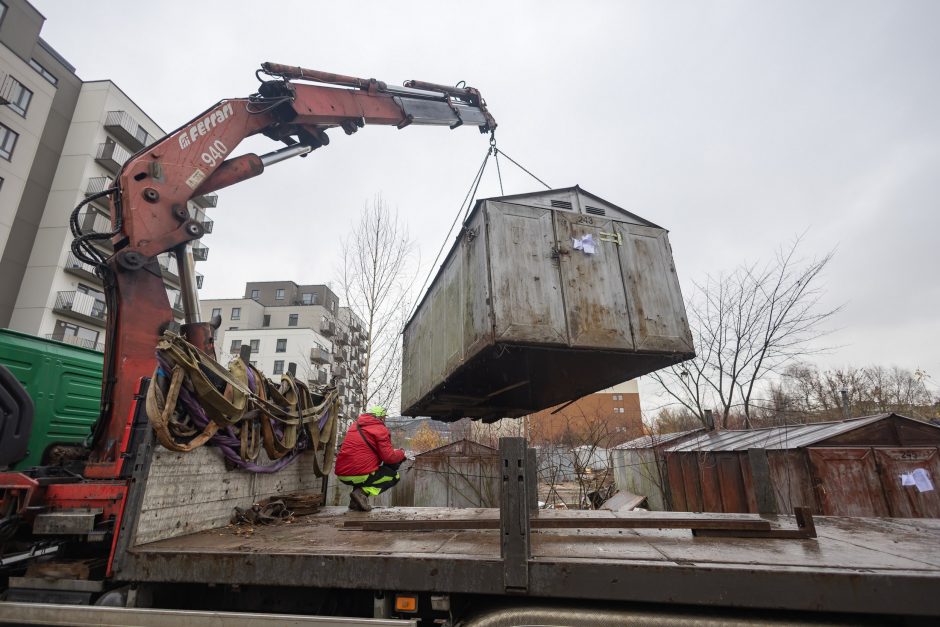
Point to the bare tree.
(375, 278)
(672, 420)
(747, 325)
(807, 394)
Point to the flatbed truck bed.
(871, 566)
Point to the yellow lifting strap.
(251, 415)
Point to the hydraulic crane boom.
(150, 215)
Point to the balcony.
(74, 265)
(82, 306)
(200, 251)
(207, 201)
(74, 340)
(93, 222)
(199, 279)
(319, 355)
(354, 339)
(168, 266)
(339, 372)
(339, 356)
(207, 225)
(111, 156)
(178, 306)
(341, 339)
(98, 184)
(127, 131)
(327, 327)
(319, 378)
(7, 85)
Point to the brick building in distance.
(606, 418)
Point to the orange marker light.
(405, 603)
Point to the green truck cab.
(64, 383)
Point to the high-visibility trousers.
(376, 482)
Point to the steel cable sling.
(468, 201)
(193, 401)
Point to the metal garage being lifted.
(543, 298)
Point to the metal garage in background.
(640, 466)
(883, 465)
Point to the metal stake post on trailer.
(514, 524)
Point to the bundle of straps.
(192, 400)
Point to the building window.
(216, 311)
(306, 299)
(236, 344)
(256, 294)
(19, 97)
(266, 321)
(292, 320)
(7, 142)
(279, 366)
(236, 313)
(279, 294)
(281, 346)
(233, 328)
(33, 63)
(255, 345)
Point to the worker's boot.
(359, 501)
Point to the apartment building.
(299, 328)
(608, 417)
(61, 140)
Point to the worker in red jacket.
(367, 460)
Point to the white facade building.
(285, 323)
(66, 140)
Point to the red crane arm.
(150, 215)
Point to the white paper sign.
(922, 480)
(907, 478)
(586, 244)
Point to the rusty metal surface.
(847, 481)
(833, 481)
(855, 565)
(908, 501)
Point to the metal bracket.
(616, 238)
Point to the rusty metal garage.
(883, 465)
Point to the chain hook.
(493, 148)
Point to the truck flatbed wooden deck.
(882, 566)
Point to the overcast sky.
(736, 125)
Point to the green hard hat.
(378, 411)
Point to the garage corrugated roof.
(773, 438)
(649, 441)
